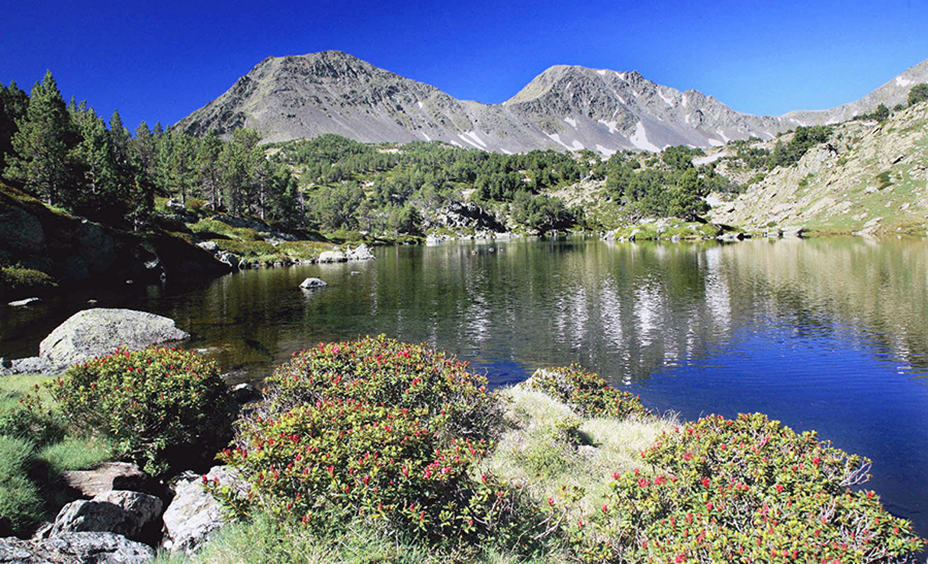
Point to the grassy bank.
(35, 448)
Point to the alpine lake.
(828, 335)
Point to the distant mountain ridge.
(565, 107)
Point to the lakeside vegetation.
(377, 450)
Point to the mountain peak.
(565, 107)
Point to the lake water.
(830, 335)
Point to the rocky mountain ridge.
(868, 179)
(564, 108)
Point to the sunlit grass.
(554, 454)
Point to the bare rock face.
(194, 514)
(75, 548)
(98, 331)
(106, 477)
(122, 512)
(331, 256)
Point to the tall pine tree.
(44, 136)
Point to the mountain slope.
(565, 107)
(894, 92)
(606, 110)
(867, 179)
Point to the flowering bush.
(378, 429)
(161, 407)
(587, 393)
(378, 370)
(746, 490)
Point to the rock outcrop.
(106, 477)
(194, 514)
(75, 548)
(125, 513)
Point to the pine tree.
(102, 192)
(44, 136)
(208, 168)
(13, 105)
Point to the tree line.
(66, 155)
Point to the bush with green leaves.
(20, 504)
(376, 429)
(587, 393)
(160, 407)
(745, 490)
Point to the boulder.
(194, 514)
(332, 256)
(98, 331)
(106, 477)
(29, 365)
(119, 511)
(75, 548)
(360, 253)
(312, 284)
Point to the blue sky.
(160, 60)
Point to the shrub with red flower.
(587, 393)
(376, 429)
(751, 490)
(161, 407)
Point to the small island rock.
(313, 283)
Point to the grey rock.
(122, 512)
(210, 246)
(313, 283)
(75, 548)
(106, 477)
(29, 365)
(194, 514)
(732, 236)
(23, 303)
(360, 253)
(98, 331)
(793, 231)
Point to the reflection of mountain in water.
(624, 310)
(877, 290)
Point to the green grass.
(20, 502)
(264, 541)
(550, 463)
(75, 453)
(34, 450)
